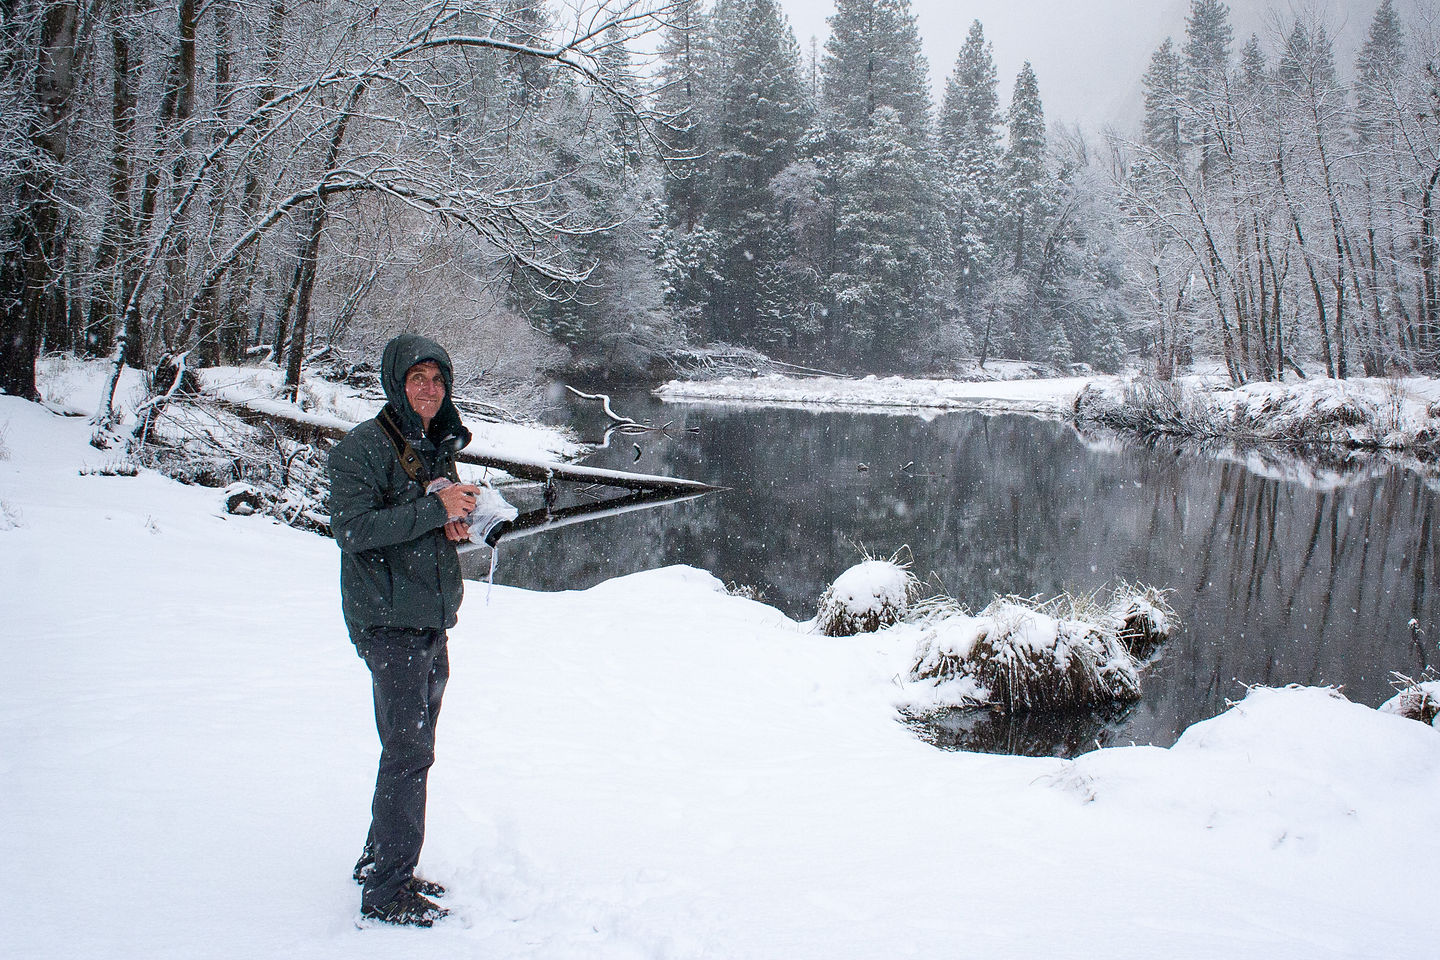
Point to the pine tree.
(970, 114)
(1379, 68)
(891, 251)
(616, 319)
(1012, 322)
(1308, 59)
(1024, 165)
(1162, 103)
(1206, 69)
(679, 89)
(969, 143)
(891, 243)
(762, 115)
(1252, 65)
(873, 59)
(1207, 48)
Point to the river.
(1279, 574)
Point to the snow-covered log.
(309, 426)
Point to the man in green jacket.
(400, 589)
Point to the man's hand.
(456, 531)
(459, 500)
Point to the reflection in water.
(1024, 734)
(1276, 581)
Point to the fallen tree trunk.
(541, 520)
(309, 426)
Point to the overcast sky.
(1088, 55)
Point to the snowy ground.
(649, 768)
(73, 386)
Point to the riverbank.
(1366, 414)
(1362, 413)
(650, 767)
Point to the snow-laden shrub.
(870, 595)
(1145, 620)
(4, 449)
(1415, 699)
(9, 516)
(1018, 655)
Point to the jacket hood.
(402, 353)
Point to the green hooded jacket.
(396, 567)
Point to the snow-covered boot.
(364, 865)
(408, 908)
(426, 888)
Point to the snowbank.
(649, 768)
(1052, 397)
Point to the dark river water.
(1277, 580)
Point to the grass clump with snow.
(869, 596)
(1415, 699)
(1018, 654)
(1145, 618)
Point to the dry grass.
(114, 468)
(1150, 407)
(4, 447)
(745, 591)
(1415, 699)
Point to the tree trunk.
(172, 294)
(109, 291)
(1429, 333)
(33, 238)
(311, 251)
(1315, 290)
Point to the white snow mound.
(870, 595)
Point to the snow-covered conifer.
(1163, 109)
(873, 59)
(969, 144)
(1024, 166)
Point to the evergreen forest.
(628, 187)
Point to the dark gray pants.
(408, 669)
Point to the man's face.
(425, 389)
